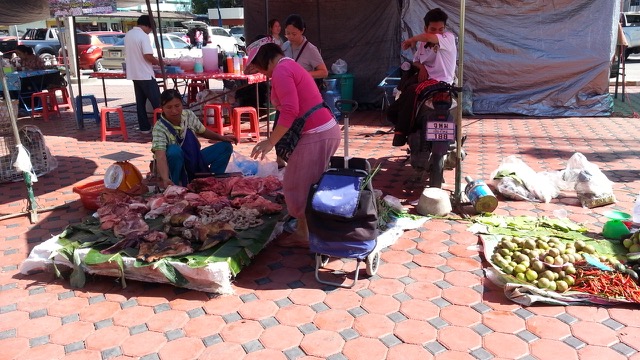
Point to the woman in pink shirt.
(294, 93)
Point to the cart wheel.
(373, 261)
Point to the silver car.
(174, 47)
(216, 36)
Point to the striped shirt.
(162, 137)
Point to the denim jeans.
(215, 156)
(146, 90)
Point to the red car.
(90, 46)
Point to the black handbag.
(287, 143)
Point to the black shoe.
(399, 139)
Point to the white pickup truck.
(631, 27)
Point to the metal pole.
(458, 187)
(155, 38)
(219, 15)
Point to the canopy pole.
(155, 38)
(65, 57)
(458, 184)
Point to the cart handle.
(353, 103)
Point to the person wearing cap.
(295, 94)
(139, 60)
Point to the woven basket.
(5, 119)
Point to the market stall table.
(25, 83)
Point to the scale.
(122, 175)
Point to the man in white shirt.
(139, 60)
(435, 58)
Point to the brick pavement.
(429, 300)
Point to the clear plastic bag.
(339, 67)
(538, 185)
(249, 167)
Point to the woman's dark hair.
(271, 23)
(296, 21)
(25, 49)
(169, 95)
(435, 15)
(266, 53)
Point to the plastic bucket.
(345, 86)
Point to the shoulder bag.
(286, 144)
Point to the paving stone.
(231, 317)
(406, 280)
(103, 324)
(70, 319)
(8, 308)
(574, 342)
(97, 299)
(448, 242)
(524, 313)
(9, 268)
(357, 312)
(128, 303)
(251, 346)
(40, 340)
(338, 356)
(482, 329)
(275, 266)
(161, 308)
(10, 252)
(262, 281)
(212, 340)
(445, 269)
(349, 334)
(174, 334)
(153, 356)
(478, 272)
(296, 284)
(435, 347)
(37, 314)
(441, 303)
(438, 322)
(447, 255)
(411, 265)
(397, 317)
(248, 297)
(527, 336)
(402, 297)
(480, 289)
(414, 251)
(269, 322)
(7, 334)
(294, 353)
(612, 324)
(442, 284)
(197, 312)
(37, 290)
(481, 354)
(390, 340)
(481, 308)
(284, 302)
(623, 349)
(566, 318)
(320, 307)
(66, 295)
(308, 328)
(111, 353)
(69, 348)
(365, 293)
(137, 329)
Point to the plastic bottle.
(245, 59)
(229, 63)
(236, 64)
(636, 210)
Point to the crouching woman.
(168, 135)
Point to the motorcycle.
(432, 144)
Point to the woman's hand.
(409, 43)
(166, 182)
(261, 148)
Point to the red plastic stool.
(254, 129)
(156, 114)
(194, 88)
(104, 130)
(48, 104)
(66, 100)
(218, 121)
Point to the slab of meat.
(173, 246)
(257, 202)
(270, 185)
(131, 225)
(214, 233)
(247, 186)
(155, 236)
(174, 193)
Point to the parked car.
(91, 45)
(44, 42)
(238, 33)
(216, 36)
(174, 47)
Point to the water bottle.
(636, 210)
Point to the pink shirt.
(294, 92)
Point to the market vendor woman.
(168, 153)
(29, 60)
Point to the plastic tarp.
(364, 33)
(535, 58)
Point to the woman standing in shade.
(274, 31)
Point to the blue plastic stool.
(81, 115)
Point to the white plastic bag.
(339, 67)
(593, 182)
(538, 185)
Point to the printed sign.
(60, 8)
(441, 131)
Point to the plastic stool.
(66, 100)
(156, 114)
(218, 121)
(254, 130)
(47, 102)
(194, 88)
(81, 115)
(104, 130)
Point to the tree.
(202, 6)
